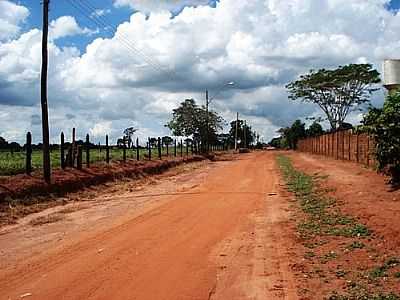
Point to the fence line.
(341, 145)
(77, 154)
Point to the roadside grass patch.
(356, 245)
(381, 271)
(323, 222)
(323, 215)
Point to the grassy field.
(12, 164)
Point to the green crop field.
(14, 163)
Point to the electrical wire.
(87, 10)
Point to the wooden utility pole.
(43, 89)
(245, 134)
(236, 130)
(207, 123)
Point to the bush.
(384, 124)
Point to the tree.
(315, 129)
(291, 135)
(336, 92)
(191, 120)
(276, 142)
(242, 131)
(121, 142)
(153, 142)
(128, 134)
(167, 140)
(384, 125)
(3, 143)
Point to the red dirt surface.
(222, 232)
(21, 185)
(365, 195)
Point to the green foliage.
(336, 92)
(291, 135)
(191, 120)
(243, 129)
(384, 125)
(315, 129)
(167, 140)
(381, 271)
(276, 142)
(128, 134)
(323, 216)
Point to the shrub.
(384, 124)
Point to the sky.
(120, 63)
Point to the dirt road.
(222, 238)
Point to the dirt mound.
(21, 186)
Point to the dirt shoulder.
(22, 195)
(351, 241)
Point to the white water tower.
(391, 75)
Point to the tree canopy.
(128, 133)
(384, 125)
(315, 129)
(246, 136)
(189, 119)
(291, 135)
(336, 92)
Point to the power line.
(92, 16)
(89, 12)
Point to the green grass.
(381, 271)
(12, 164)
(323, 216)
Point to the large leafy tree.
(189, 119)
(336, 92)
(167, 140)
(291, 135)
(128, 134)
(245, 133)
(384, 125)
(315, 129)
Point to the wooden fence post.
(368, 150)
(62, 147)
(337, 144)
(343, 144)
(191, 147)
(159, 148)
(187, 147)
(175, 147)
(181, 147)
(149, 148)
(124, 151)
(350, 133)
(137, 149)
(79, 158)
(87, 151)
(357, 148)
(107, 150)
(28, 153)
(73, 147)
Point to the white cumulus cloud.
(155, 61)
(11, 17)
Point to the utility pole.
(43, 89)
(207, 123)
(236, 130)
(245, 135)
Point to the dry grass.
(51, 218)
